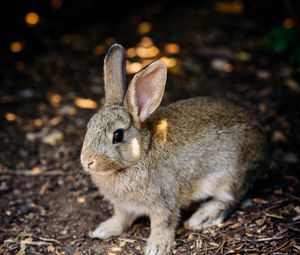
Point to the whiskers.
(80, 180)
(77, 185)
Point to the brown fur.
(187, 151)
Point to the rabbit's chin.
(105, 173)
(98, 172)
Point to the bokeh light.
(56, 4)
(99, 50)
(288, 23)
(170, 62)
(146, 42)
(133, 67)
(172, 48)
(32, 18)
(144, 27)
(229, 7)
(146, 62)
(147, 52)
(131, 53)
(9, 116)
(54, 99)
(16, 47)
(85, 103)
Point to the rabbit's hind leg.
(210, 213)
(214, 211)
(222, 198)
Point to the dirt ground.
(48, 205)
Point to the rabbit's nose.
(90, 165)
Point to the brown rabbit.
(149, 161)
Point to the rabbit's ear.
(114, 75)
(145, 91)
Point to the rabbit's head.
(116, 136)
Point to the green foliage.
(281, 40)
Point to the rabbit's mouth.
(101, 164)
(103, 169)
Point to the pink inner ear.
(145, 90)
(142, 99)
(148, 88)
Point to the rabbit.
(151, 160)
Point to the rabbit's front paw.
(159, 245)
(106, 229)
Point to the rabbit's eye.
(118, 136)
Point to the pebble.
(220, 64)
(71, 249)
(53, 138)
(4, 186)
(24, 209)
(246, 203)
(291, 158)
(27, 93)
(263, 74)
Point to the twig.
(208, 249)
(220, 247)
(48, 240)
(31, 173)
(127, 240)
(296, 247)
(285, 245)
(292, 196)
(45, 239)
(269, 238)
(36, 243)
(27, 241)
(274, 216)
(141, 239)
(276, 205)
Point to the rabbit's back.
(193, 119)
(207, 141)
(202, 112)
